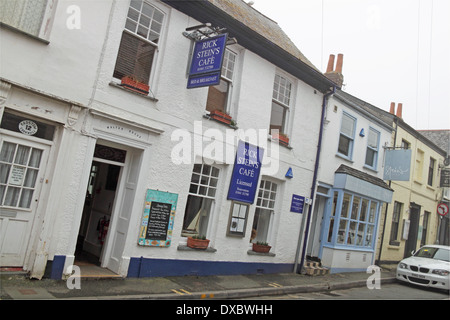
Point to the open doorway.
(97, 211)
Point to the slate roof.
(261, 24)
(363, 176)
(440, 137)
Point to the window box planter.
(261, 247)
(281, 138)
(133, 84)
(220, 116)
(197, 243)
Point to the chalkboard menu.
(158, 221)
(158, 218)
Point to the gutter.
(313, 186)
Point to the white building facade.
(350, 190)
(82, 155)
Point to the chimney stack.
(399, 109)
(335, 75)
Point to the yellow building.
(411, 220)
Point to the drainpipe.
(313, 186)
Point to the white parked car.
(429, 267)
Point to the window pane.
(346, 205)
(373, 139)
(25, 198)
(348, 125)
(355, 208)
(277, 117)
(370, 157)
(342, 230)
(7, 153)
(22, 155)
(12, 196)
(135, 58)
(344, 145)
(35, 158)
(217, 97)
(364, 206)
(359, 239)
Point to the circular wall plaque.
(28, 127)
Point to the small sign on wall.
(157, 221)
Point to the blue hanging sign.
(247, 167)
(207, 59)
(297, 203)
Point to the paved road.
(394, 291)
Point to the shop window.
(219, 95)
(265, 205)
(347, 135)
(332, 217)
(139, 42)
(356, 221)
(372, 149)
(200, 201)
(281, 100)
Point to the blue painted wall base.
(145, 267)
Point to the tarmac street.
(17, 286)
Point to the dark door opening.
(97, 211)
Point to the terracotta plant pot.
(197, 243)
(283, 139)
(220, 116)
(261, 248)
(134, 85)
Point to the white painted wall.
(77, 65)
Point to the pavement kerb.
(243, 293)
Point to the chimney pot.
(339, 63)
(330, 67)
(399, 110)
(392, 111)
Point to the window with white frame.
(265, 206)
(139, 41)
(25, 15)
(200, 201)
(347, 135)
(238, 219)
(219, 95)
(281, 100)
(373, 142)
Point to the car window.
(442, 254)
(433, 253)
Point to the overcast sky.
(394, 50)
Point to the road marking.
(181, 292)
(275, 285)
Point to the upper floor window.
(431, 171)
(27, 15)
(347, 135)
(372, 148)
(219, 95)
(139, 41)
(281, 100)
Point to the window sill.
(186, 248)
(339, 155)
(207, 116)
(118, 86)
(279, 143)
(6, 26)
(253, 253)
(431, 188)
(370, 168)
